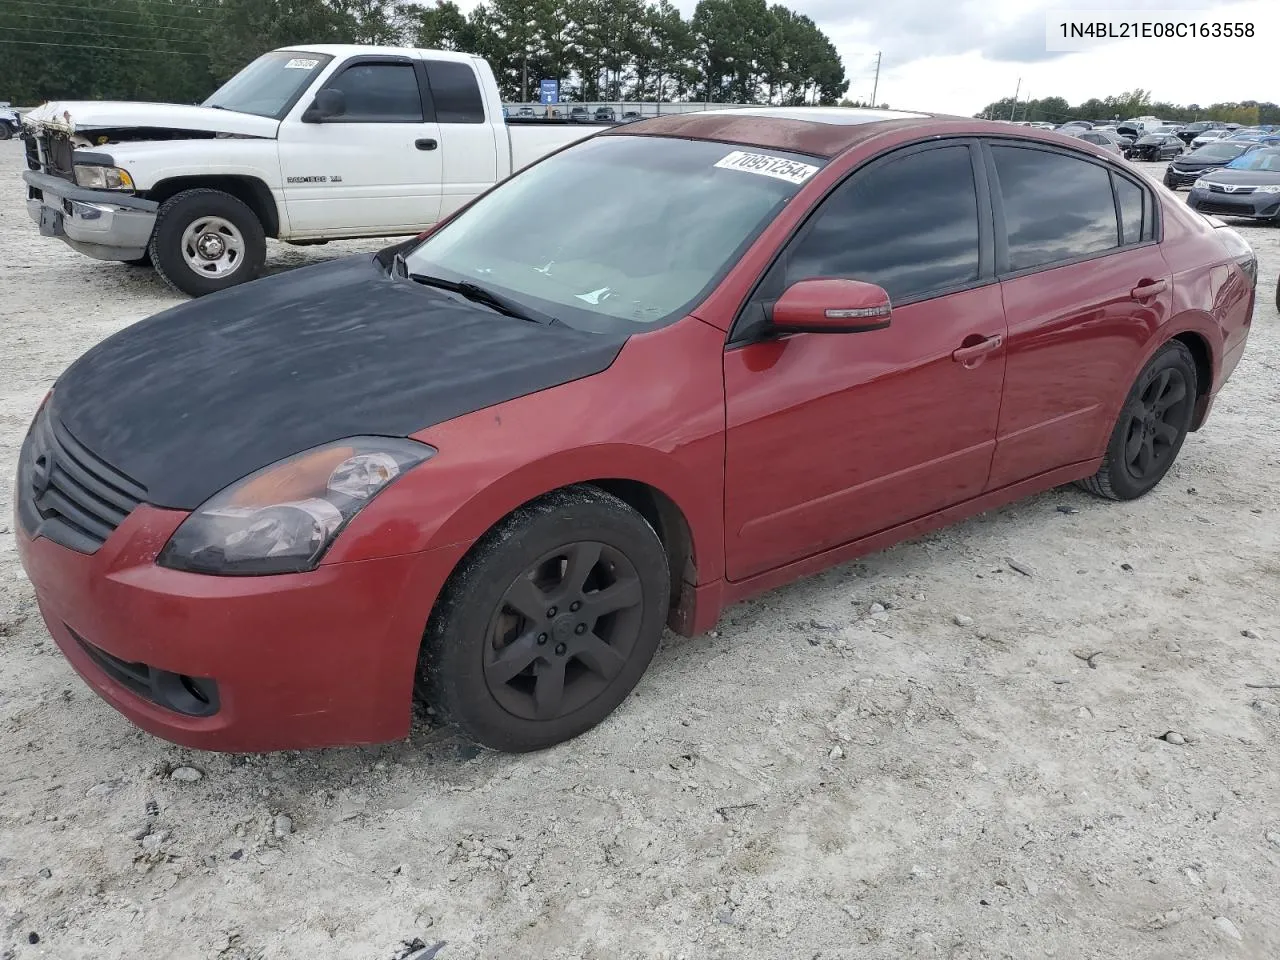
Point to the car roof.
(350, 50)
(823, 131)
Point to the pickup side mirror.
(831, 306)
(329, 103)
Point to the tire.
(213, 230)
(476, 640)
(6, 132)
(1151, 428)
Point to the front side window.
(909, 224)
(379, 93)
(667, 219)
(270, 85)
(1056, 207)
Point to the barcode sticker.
(300, 64)
(768, 166)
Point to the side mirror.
(831, 306)
(329, 103)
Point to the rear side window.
(455, 91)
(1056, 208)
(909, 225)
(380, 93)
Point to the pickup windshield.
(270, 85)
(666, 220)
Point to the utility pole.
(1016, 91)
(876, 85)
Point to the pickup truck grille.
(66, 493)
(50, 153)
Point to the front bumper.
(324, 658)
(98, 223)
(1255, 205)
(1177, 178)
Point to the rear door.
(468, 137)
(377, 167)
(1084, 287)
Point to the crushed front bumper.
(98, 223)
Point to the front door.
(376, 167)
(833, 437)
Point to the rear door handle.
(1146, 289)
(425, 144)
(976, 351)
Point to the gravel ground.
(928, 753)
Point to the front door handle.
(976, 351)
(1146, 289)
(425, 144)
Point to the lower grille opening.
(190, 696)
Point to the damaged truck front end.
(80, 196)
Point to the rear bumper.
(324, 658)
(97, 223)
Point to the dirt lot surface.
(950, 749)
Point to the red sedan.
(489, 464)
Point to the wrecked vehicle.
(305, 145)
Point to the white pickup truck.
(306, 144)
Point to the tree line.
(180, 50)
(1131, 103)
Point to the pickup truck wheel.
(5, 131)
(548, 623)
(205, 241)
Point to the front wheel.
(6, 132)
(1153, 423)
(205, 241)
(548, 623)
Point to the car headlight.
(1269, 188)
(1201, 184)
(284, 517)
(103, 178)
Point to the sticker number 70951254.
(769, 166)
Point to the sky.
(956, 56)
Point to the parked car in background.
(631, 115)
(306, 145)
(1155, 146)
(1190, 131)
(1075, 124)
(605, 114)
(1099, 136)
(1210, 136)
(10, 125)
(260, 520)
(1248, 186)
(526, 112)
(1190, 167)
(579, 113)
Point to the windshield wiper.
(476, 294)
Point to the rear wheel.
(5, 131)
(1151, 428)
(206, 240)
(548, 623)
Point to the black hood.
(1246, 178)
(1193, 162)
(194, 398)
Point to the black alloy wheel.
(563, 630)
(1151, 428)
(548, 623)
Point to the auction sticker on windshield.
(768, 166)
(300, 64)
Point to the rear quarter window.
(456, 92)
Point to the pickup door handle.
(425, 144)
(976, 351)
(1146, 289)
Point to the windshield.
(666, 220)
(270, 85)
(1268, 160)
(1220, 151)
